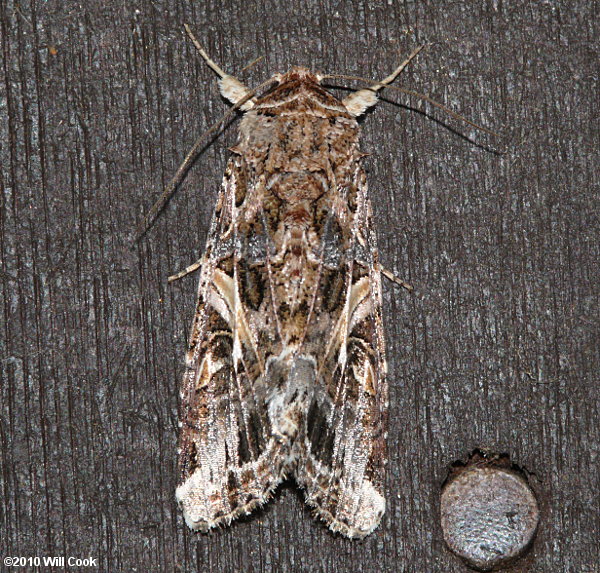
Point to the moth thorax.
(298, 73)
(297, 215)
(298, 187)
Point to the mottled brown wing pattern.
(285, 367)
(344, 455)
(229, 461)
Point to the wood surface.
(496, 348)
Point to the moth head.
(356, 103)
(298, 73)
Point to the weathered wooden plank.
(497, 347)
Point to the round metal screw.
(489, 513)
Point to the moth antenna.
(447, 110)
(368, 96)
(383, 83)
(231, 88)
(252, 63)
(361, 100)
(189, 160)
(211, 63)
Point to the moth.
(285, 368)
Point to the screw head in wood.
(489, 513)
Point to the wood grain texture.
(498, 346)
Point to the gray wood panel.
(498, 346)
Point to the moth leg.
(378, 268)
(231, 88)
(391, 276)
(188, 270)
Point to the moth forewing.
(285, 372)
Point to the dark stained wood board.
(497, 347)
